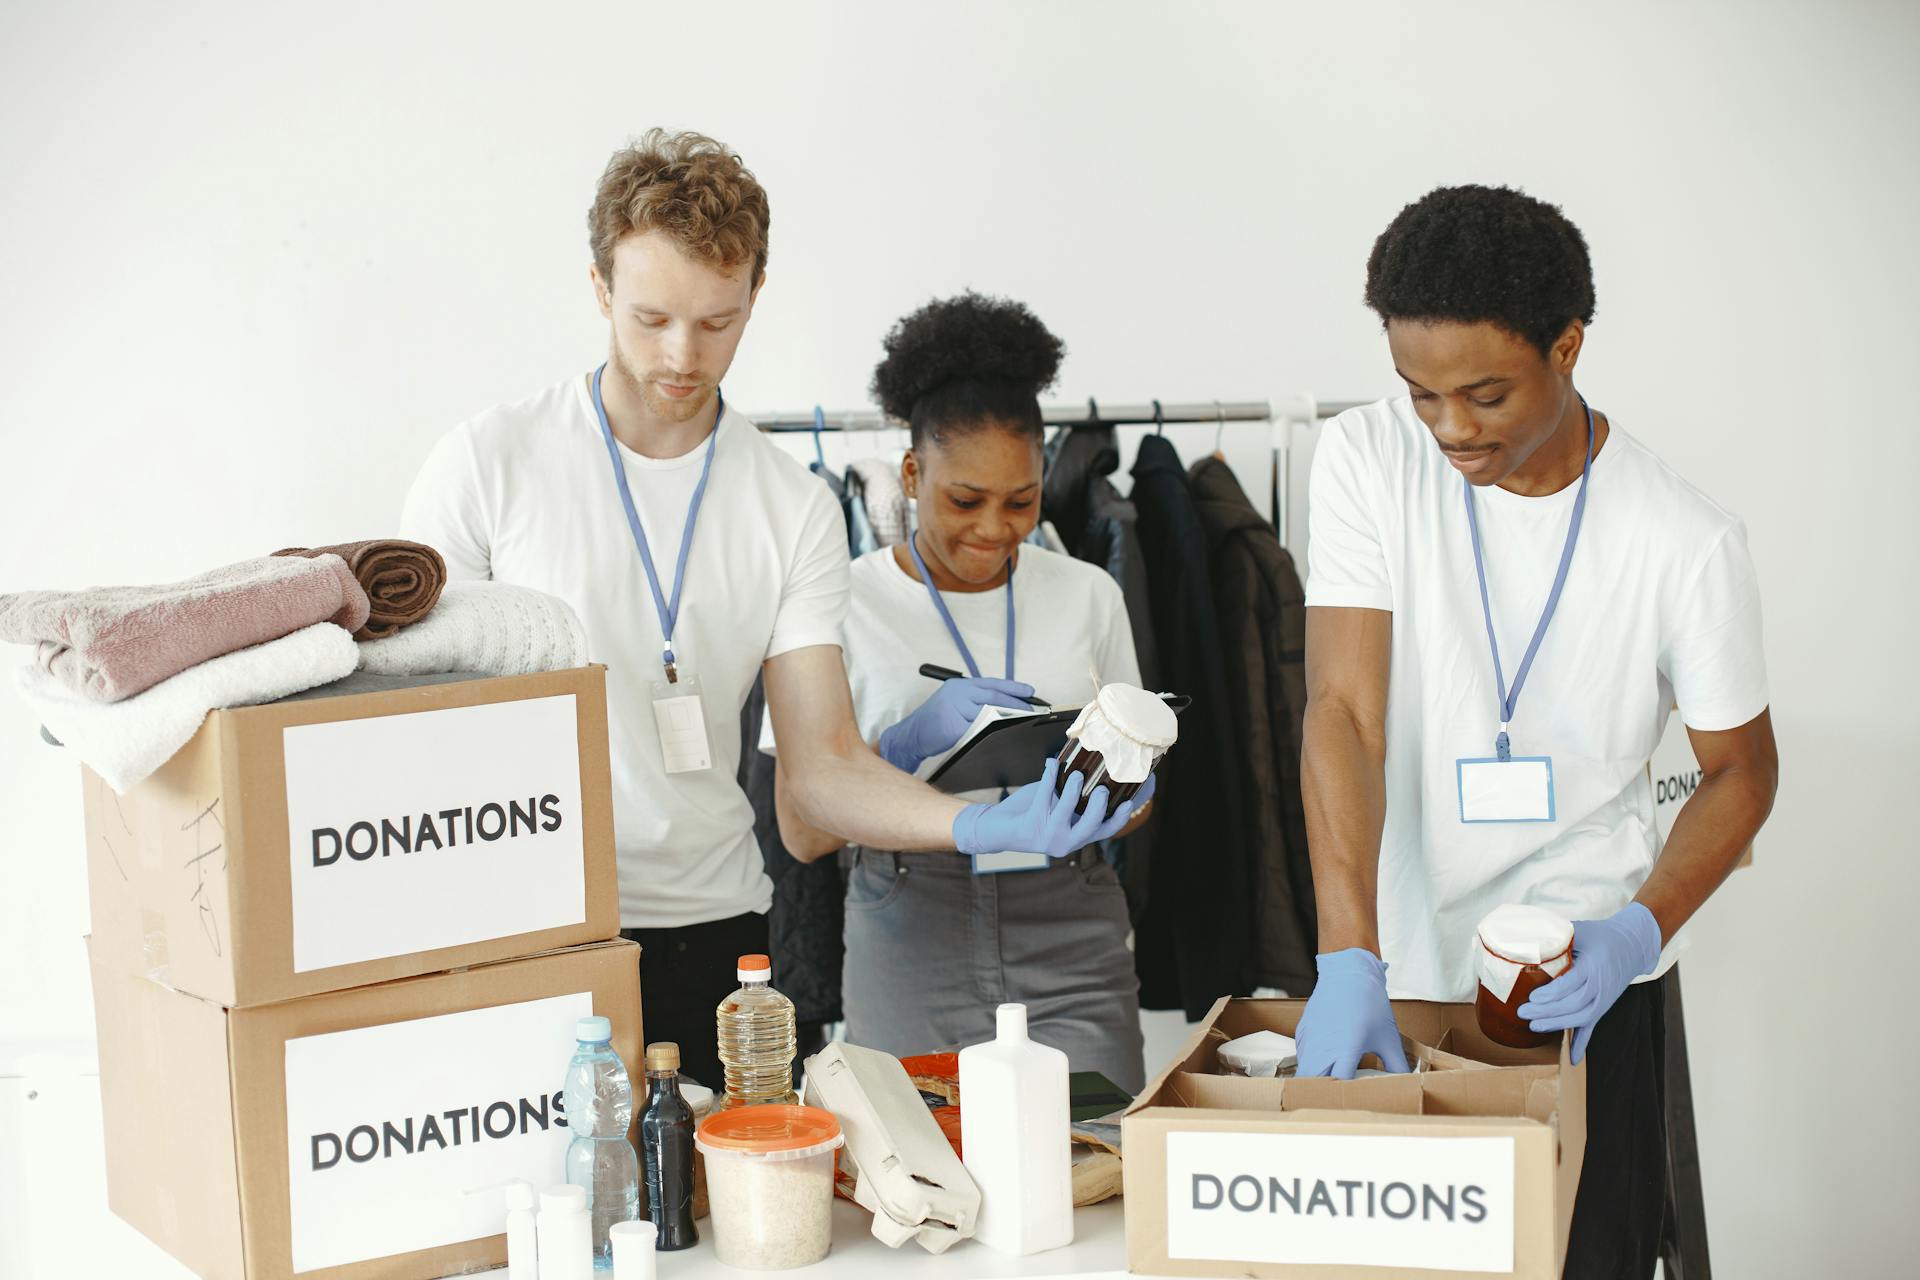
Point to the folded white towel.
(125, 741)
(493, 627)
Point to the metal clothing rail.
(1216, 414)
(1090, 414)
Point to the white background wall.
(257, 257)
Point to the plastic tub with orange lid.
(770, 1184)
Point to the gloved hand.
(1035, 820)
(942, 719)
(1347, 1017)
(1607, 956)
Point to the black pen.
(932, 672)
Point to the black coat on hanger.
(1263, 633)
(1192, 946)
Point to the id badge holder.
(681, 720)
(1518, 789)
(999, 864)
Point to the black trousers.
(684, 975)
(1617, 1215)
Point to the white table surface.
(1098, 1252)
(52, 1171)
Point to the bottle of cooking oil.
(757, 1041)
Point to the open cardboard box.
(337, 1136)
(1465, 1167)
(329, 842)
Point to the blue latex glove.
(940, 721)
(1035, 820)
(1607, 956)
(1347, 1017)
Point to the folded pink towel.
(109, 643)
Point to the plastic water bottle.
(757, 1039)
(599, 1108)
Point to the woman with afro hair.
(935, 941)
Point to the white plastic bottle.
(523, 1262)
(1015, 1131)
(566, 1234)
(633, 1251)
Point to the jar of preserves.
(1518, 949)
(1115, 743)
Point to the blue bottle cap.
(593, 1030)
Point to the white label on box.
(432, 829)
(1410, 1203)
(388, 1127)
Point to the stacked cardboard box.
(1465, 1167)
(339, 945)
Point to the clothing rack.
(1214, 413)
(1090, 414)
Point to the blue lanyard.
(966, 654)
(1509, 699)
(669, 611)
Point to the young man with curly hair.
(698, 556)
(1484, 537)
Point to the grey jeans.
(932, 949)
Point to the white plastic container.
(1262, 1054)
(1015, 1132)
(523, 1262)
(770, 1184)
(633, 1250)
(566, 1234)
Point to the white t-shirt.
(1660, 606)
(1069, 619)
(525, 494)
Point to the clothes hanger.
(1159, 420)
(819, 426)
(1219, 430)
(1093, 412)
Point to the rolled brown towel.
(402, 579)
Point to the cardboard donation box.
(323, 843)
(1466, 1167)
(337, 1136)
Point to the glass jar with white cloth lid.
(1517, 950)
(1116, 742)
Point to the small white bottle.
(1015, 1130)
(633, 1250)
(523, 1262)
(566, 1234)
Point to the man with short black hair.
(1484, 537)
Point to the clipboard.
(1011, 753)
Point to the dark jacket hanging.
(1262, 615)
(1098, 525)
(1192, 945)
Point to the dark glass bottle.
(666, 1150)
